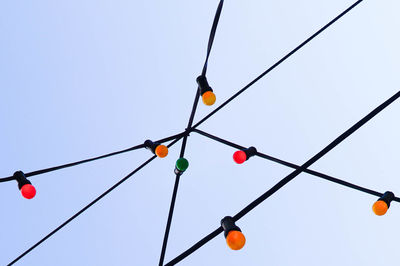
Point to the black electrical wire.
(176, 185)
(51, 169)
(196, 246)
(89, 205)
(169, 220)
(288, 178)
(212, 35)
(277, 63)
(183, 147)
(292, 165)
(190, 128)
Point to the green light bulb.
(182, 164)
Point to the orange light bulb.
(235, 240)
(208, 98)
(161, 151)
(380, 207)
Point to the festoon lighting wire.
(219, 230)
(259, 77)
(89, 205)
(55, 168)
(183, 147)
(189, 129)
(289, 177)
(294, 166)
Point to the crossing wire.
(190, 128)
(192, 114)
(290, 177)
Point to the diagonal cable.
(212, 35)
(294, 166)
(176, 185)
(55, 168)
(88, 206)
(288, 178)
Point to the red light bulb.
(28, 191)
(239, 157)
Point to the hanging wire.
(294, 166)
(290, 177)
(212, 35)
(55, 168)
(89, 205)
(176, 185)
(190, 128)
(196, 100)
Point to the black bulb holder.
(228, 224)
(387, 197)
(150, 145)
(19, 176)
(203, 85)
(250, 152)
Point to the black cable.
(277, 63)
(290, 177)
(212, 235)
(89, 205)
(212, 35)
(169, 220)
(176, 186)
(292, 165)
(6, 179)
(183, 147)
(196, 246)
(51, 169)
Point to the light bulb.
(182, 164)
(208, 98)
(28, 191)
(239, 157)
(380, 207)
(161, 151)
(235, 240)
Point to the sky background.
(84, 78)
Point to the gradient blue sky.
(83, 78)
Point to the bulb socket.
(387, 197)
(150, 145)
(203, 85)
(228, 224)
(250, 152)
(19, 176)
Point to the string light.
(382, 205)
(156, 148)
(25, 186)
(207, 94)
(243, 155)
(181, 165)
(233, 235)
